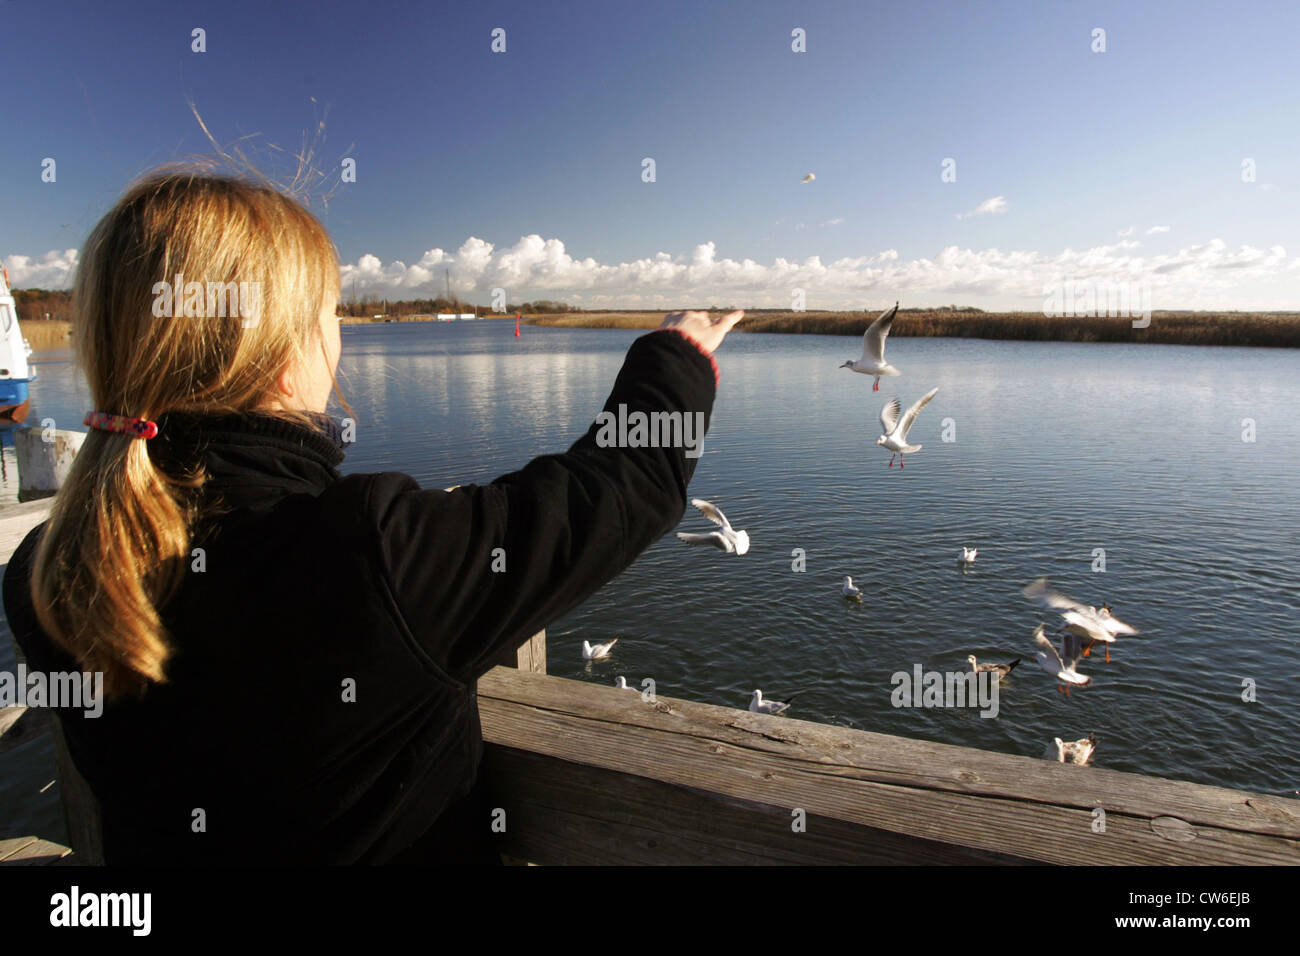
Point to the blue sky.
(463, 154)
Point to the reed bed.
(600, 320)
(43, 334)
(370, 320)
(1261, 329)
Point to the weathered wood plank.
(12, 848)
(1019, 807)
(21, 724)
(16, 520)
(30, 851)
(8, 717)
(920, 763)
(559, 813)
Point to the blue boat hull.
(14, 401)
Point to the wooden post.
(529, 657)
(532, 656)
(44, 457)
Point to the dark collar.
(252, 457)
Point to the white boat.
(16, 373)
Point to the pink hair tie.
(135, 427)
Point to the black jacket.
(313, 580)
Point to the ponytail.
(117, 542)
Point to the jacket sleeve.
(479, 569)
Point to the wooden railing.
(590, 774)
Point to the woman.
(290, 656)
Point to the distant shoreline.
(46, 334)
(1252, 329)
(1257, 329)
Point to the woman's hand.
(703, 327)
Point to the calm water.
(1059, 449)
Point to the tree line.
(42, 304)
(36, 305)
(368, 305)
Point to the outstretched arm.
(479, 569)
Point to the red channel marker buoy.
(516, 326)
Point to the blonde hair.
(118, 537)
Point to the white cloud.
(995, 205)
(51, 271)
(1155, 229)
(833, 222)
(1206, 275)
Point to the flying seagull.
(1081, 620)
(598, 651)
(1039, 591)
(1089, 628)
(896, 429)
(726, 538)
(1062, 668)
(873, 349)
(809, 178)
(1112, 623)
(760, 706)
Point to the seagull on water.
(896, 429)
(760, 706)
(849, 591)
(1078, 752)
(967, 555)
(1002, 670)
(726, 539)
(597, 652)
(1081, 620)
(1062, 668)
(873, 349)
(809, 178)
